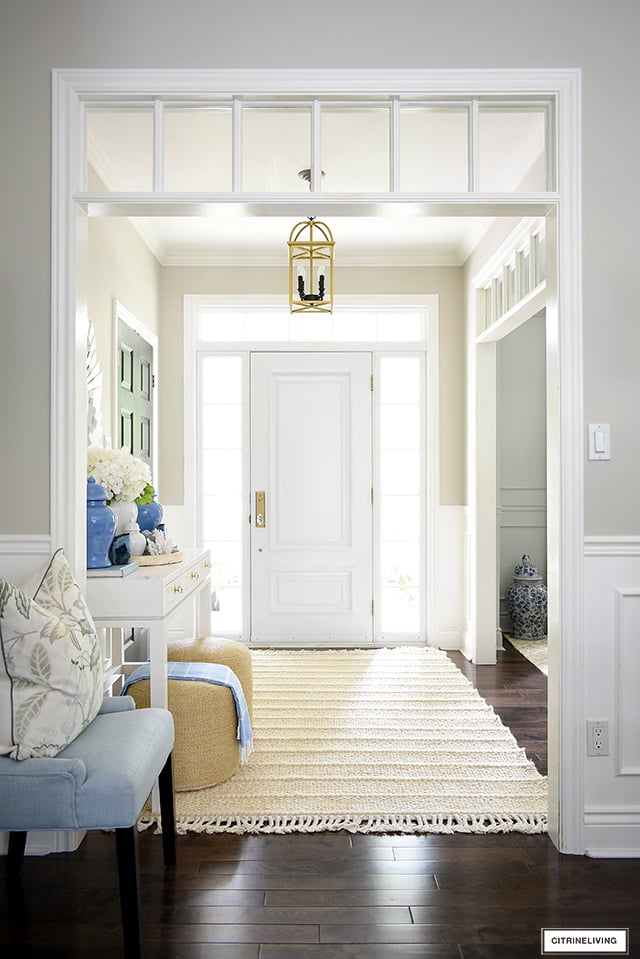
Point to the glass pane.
(400, 426)
(355, 149)
(511, 286)
(267, 326)
(197, 149)
(400, 327)
(400, 472)
(499, 297)
(400, 517)
(221, 379)
(220, 326)
(400, 610)
(358, 326)
(221, 426)
(400, 379)
(541, 262)
(433, 150)
(222, 518)
(525, 274)
(488, 305)
(124, 135)
(222, 471)
(276, 146)
(510, 142)
(226, 605)
(400, 564)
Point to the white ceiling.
(120, 155)
(256, 240)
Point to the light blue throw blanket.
(208, 673)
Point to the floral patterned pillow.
(50, 663)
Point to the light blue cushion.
(99, 781)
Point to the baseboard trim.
(612, 833)
(452, 638)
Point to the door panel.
(311, 456)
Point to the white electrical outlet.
(597, 737)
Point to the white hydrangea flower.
(123, 476)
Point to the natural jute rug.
(535, 650)
(392, 740)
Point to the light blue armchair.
(101, 780)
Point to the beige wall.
(120, 268)
(175, 282)
(36, 35)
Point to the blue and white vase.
(101, 526)
(526, 599)
(150, 514)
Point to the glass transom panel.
(198, 149)
(276, 146)
(433, 150)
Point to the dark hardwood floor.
(333, 895)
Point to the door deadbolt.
(261, 520)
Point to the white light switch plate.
(599, 441)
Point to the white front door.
(311, 510)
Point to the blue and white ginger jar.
(527, 602)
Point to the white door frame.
(429, 347)
(565, 456)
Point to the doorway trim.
(429, 347)
(563, 210)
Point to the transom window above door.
(291, 146)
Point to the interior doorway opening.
(565, 520)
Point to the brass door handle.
(261, 519)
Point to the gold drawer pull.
(178, 589)
(195, 575)
(207, 564)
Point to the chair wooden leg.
(129, 876)
(168, 813)
(15, 852)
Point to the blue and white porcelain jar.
(526, 599)
(101, 526)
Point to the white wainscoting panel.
(21, 556)
(612, 676)
(627, 658)
(452, 578)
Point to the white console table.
(147, 599)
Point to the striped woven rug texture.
(389, 740)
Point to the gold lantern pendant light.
(311, 267)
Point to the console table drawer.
(151, 592)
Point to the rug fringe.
(382, 825)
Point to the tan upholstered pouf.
(226, 652)
(206, 750)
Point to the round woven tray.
(160, 559)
